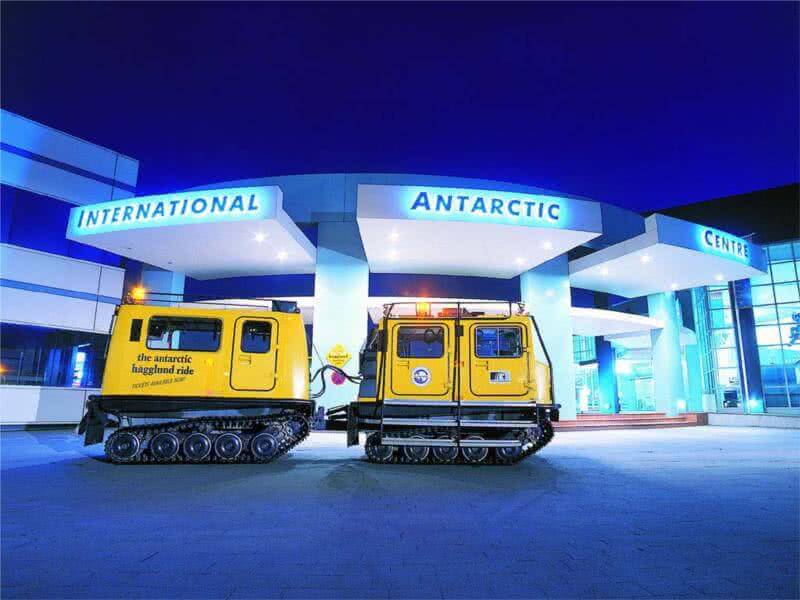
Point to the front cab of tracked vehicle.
(466, 375)
(167, 360)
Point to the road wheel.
(474, 455)
(264, 447)
(416, 454)
(123, 446)
(228, 446)
(196, 447)
(377, 452)
(164, 446)
(444, 454)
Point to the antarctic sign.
(477, 206)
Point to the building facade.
(657, 313)
(56, 296)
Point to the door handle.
(403, 363)
(484, 364)
(245, 360)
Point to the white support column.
(341, 291)
(667, 369)
(546, 294)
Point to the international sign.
(338, 356)
(183, 208)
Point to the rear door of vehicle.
(254, 357)
(498, 362)
(420, 360)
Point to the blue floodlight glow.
(183, 208)
(486, 207)
(724, 244)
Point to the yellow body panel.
(260, 354)
(463, 363)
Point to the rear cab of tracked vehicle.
(172, 360)
(453, 375)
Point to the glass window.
(45, 356)
(791, 355)
(256, 336)
(787, 312)
(170, 333)
(728, 377)
(770, 355)
(780, 252)
(420, 342)
(765, 279)
(762, 294)
(767, 335)
(726, 357)
(772, 376)
(583, 349)
(719, 298)
(783, 272)
(724, 338)
(765, 315)
(786, 292)
(498, 342)
(721, 318)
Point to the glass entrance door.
(634, 372)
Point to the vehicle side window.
(256, 337)
(199, 335)
(420, 342)
(498, 342)
(136, 330)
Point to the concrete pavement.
(674, 513)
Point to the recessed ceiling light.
(604, 271)
(393, 255)
(283, 255)
(549, 293)
(719, 277)
(520, 261)
(645, 258)
(394, 236)
(673, 286)
(548, 245)
(259, 237)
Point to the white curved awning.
(671, 255)
(204, 234)
(450, 231)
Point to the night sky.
(641, 105)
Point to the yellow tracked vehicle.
(206, 383)
(452, 382)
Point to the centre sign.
(183, 208)
(725, 243)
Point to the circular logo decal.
(420, 376)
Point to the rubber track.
(399, 458)
(246, 427)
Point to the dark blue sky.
(642, 105)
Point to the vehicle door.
(498, 363)
(254, 355)
(420, 357)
